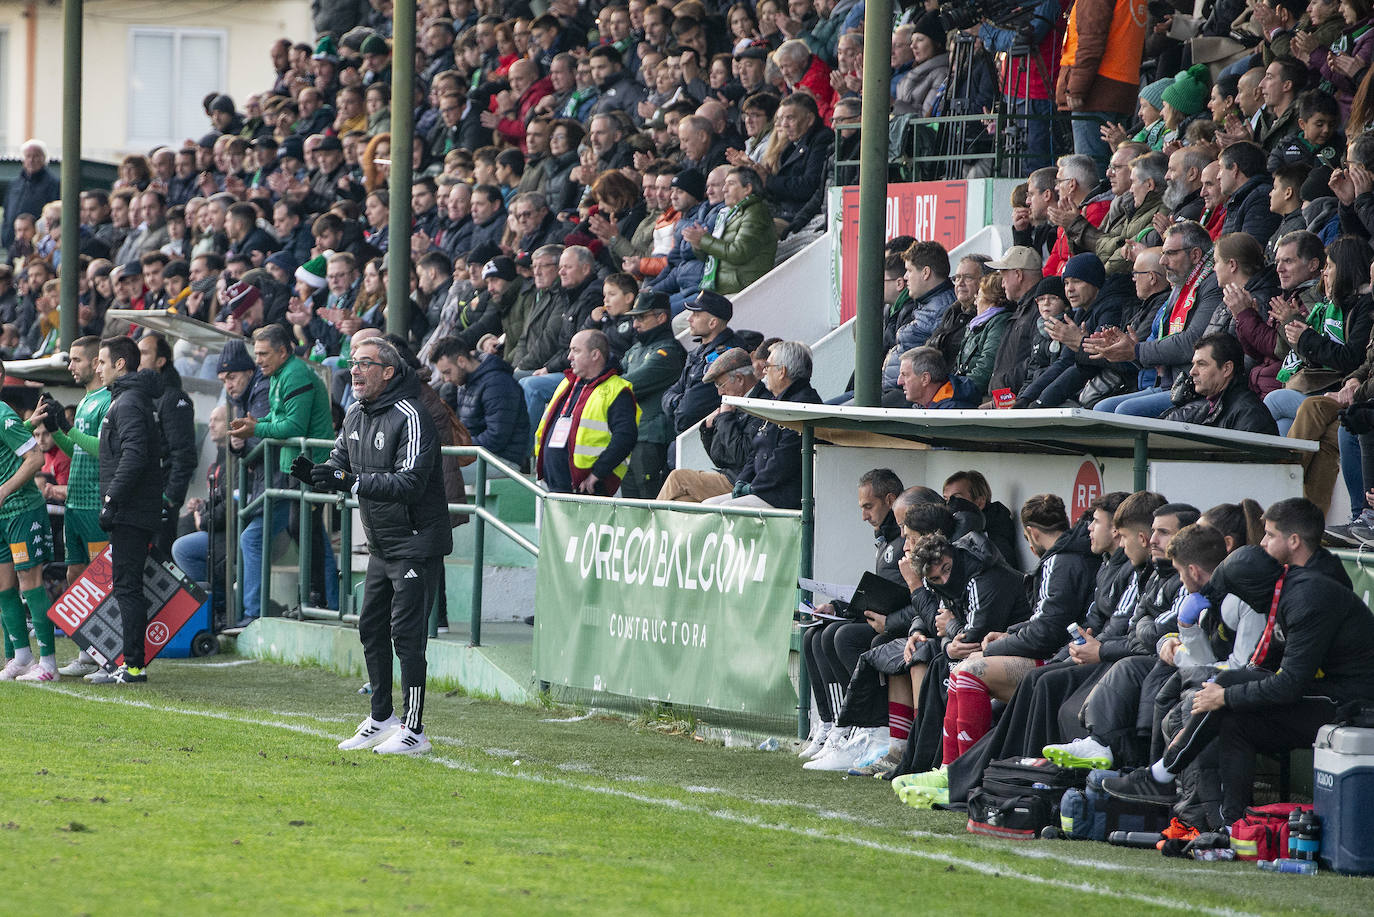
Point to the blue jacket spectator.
(33, 187)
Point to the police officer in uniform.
(652, 364)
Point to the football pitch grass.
(218, 786)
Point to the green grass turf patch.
(219, 786)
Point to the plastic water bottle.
(1297, 867)
(366, 688)
(769, 744)
(1214, 854)
(1076, 634)
(1294, 826)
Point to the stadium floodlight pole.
(70, 271)
(877, 103)
(402, 142)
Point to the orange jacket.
(1101, 60)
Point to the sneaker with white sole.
(875, 751)
(78, 668)
(371, 733)
(128, 675)
(1085, 752)
(818, 740)
(887, 762)
(39, 673)
(838, 739)
(404, 742)
(844, 756)
(14, 668)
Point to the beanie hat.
(1086, 267)
(326, 50)
(1188, 94)
(375, 44)
(929, 26)
(284, 261)
(234, 358)
(1154, 92)
(1053, 285)
(312, 272)
(691, 181)
(222, 103)
(1317, 185)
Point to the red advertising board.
(929, 210)
(89, 614)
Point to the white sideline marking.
(722, 815)
(571, 719)
(208, 665)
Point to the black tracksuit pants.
(397, 597)
(128, 556)
(831, 651)
(1243, 733)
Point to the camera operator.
(1029, 81)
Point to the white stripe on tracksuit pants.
(397, 598)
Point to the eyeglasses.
(768, 366)
(359, 364)
(522, 215)
(1147, 273)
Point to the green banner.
(1359, 565)
(678, 607)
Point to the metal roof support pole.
(808, 541)
(1142, 460)
(868, 324)
(402, 146)
(70, 269)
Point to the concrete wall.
(844, 543)
(249, 27)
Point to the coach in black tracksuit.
(131, 488)
(387, 455)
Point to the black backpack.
(1018, 797)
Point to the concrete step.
(502, 668)
(507, 593)
(514, 503)
(498, 550)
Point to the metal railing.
(271, 498)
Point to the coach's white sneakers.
(818, 740)
(371, 733)
(404, 742)
(14, 668)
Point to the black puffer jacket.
(773, 472)
(492, 407)
(730, 437)
(130, 470)
(983, 593)
(176, 418)
(1323, 634)
(391, 445)
(1060, 589)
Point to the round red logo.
(157, 633)
(1087, 487)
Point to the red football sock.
(975, 711)
(950, 730)
(899, 718)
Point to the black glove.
(107, 514)
(301, 468)
(55, 417)
(327, 477)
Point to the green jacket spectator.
(744, 242)
(298, 402)
(652, 364)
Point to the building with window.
(147, 66)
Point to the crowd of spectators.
(1203, 639)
